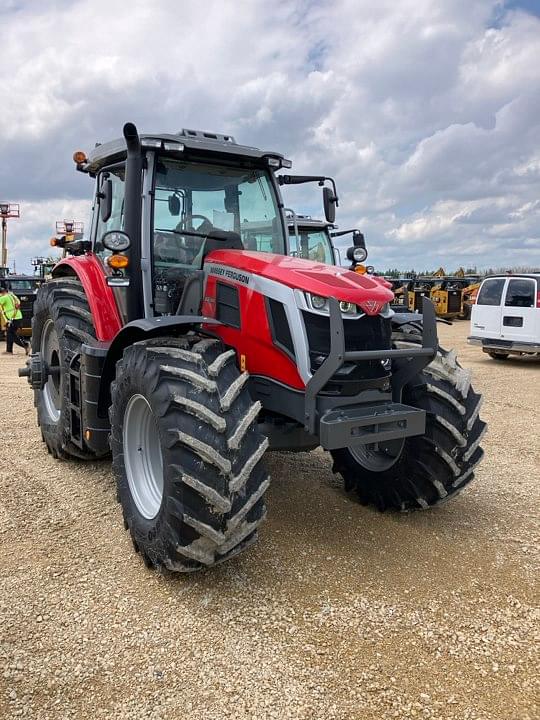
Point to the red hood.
(312, 277)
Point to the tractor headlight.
(116, 241)
(348, 308)
(318, 302)
(359, 254)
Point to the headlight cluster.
(320, 303)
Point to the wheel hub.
(142, 456)
(48, 372)
(36, 371)
(378, 457)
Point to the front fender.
(136, 331)
(101, 300)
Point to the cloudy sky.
(426, 112)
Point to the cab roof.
(307, 221)
(185, 144)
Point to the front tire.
(429, 469)
(186, 452)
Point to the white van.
(506, 316)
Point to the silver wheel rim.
(378, 457)
(52, 390)
(142, 456)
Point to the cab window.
(21, 286)
(311, 245)
(491, 292)
(116, 220)
(520, 293)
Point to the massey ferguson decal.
(229, 273)
(372, 307)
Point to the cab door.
(486, 314)
(519, 310)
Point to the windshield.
(311, 244)
(192, 199)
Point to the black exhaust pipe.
(132, 222)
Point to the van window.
(520, 293)
(491, 292)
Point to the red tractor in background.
(183, 338)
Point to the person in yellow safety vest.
(10, 307)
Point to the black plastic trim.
(228, 304)
(279, 327)
(418, 358)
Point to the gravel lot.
(337, 612)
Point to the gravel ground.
(337, 612)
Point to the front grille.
(370, 332)
(364, 333)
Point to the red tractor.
(185, 340)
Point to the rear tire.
(498, 355)
(186, 452)
(60, 324)
(432, 468)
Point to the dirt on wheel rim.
(338, 612)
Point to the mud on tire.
(61, 314)
(436, 466)
(213, 480)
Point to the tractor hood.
(369, 292)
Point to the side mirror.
(174, 205)
(105, 200)
(329, 202)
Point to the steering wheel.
(205, 227)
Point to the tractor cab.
(199, 191)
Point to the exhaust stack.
(132, 214)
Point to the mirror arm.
(300, 179)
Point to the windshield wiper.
(181, 232)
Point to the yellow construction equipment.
(444, 292)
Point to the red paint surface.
(313, 277)
(88, 268)
(254, 338)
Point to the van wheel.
(498, 355)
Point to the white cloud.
(426, 112)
